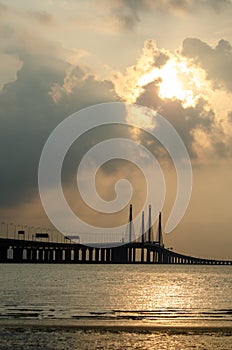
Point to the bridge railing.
(12, 230)
(31, 233)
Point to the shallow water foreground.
(29, 338)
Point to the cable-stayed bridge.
(31, 246)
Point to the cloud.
(48, 88)
(28, 114)
(8, 68)
(78, 82)
(178, 87)
(204, 136)
(216, 61)
(128, 12)
(126, 83)
(42, 17)
(184, 120)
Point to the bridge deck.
(28, 251)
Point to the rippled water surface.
(37, 300)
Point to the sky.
(173, 56)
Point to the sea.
(83, 306)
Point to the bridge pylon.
(159, 238)
(130, 232)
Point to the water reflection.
(157, 294)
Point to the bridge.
(37, 248)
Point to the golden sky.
(175, 57)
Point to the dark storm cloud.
(216, 61)
(128, 12)
(28, 115)
(146, 5)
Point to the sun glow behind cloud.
(176, 80)
(175, 76)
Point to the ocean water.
(115, 307)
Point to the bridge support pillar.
(130, 255)
(148, 255)
(83, 257)
(29, 255)
(165, 258)
(102, 255)
(142, 255)
(97, 252)
(47, 255)
(76, 254)
(108, 254)
(134, 255)
(59, 255)
(3, 253)
(160, 257)
(18, 254)
(90, 254)
(33, 255)
(41, 255)
(67, 255)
